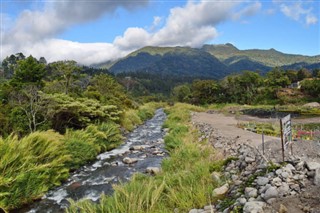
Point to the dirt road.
(227, 125)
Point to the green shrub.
(30, 166)
(106, 135)
(81, 147)
(130, 119)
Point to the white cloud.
(190, 25)
(298, 11)
(311, 19)
(248, 11)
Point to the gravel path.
(308, 199)
(227, 125)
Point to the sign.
(286, 133)
(286, 130)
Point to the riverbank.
(185, 179)
(257, 182)
(32, 165)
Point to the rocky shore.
(263, 183)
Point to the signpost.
(286, 133)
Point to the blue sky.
(99, 30)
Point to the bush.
(30, 166)
(130, 119)
(106, 135)
(81, 147)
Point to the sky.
(96, 31)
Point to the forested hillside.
(210, 61)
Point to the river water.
(145, 144)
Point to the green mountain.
(210, 61)
(270, 58)
(172, 60)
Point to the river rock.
(300, 166)
(262, 181)
(277, 181)
(153, 170)
(284, 174)
(312, 165)
(289, 167)
(209, 208)
(254, 207)
(242, 200)
(317, 177)
(272, 192)
(250, 192)
(216, 176)
(249, 159)
(128, 160)
(221, 190)
(139, 147)
(284, 189)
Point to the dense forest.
(55, 117)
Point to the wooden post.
(282, 143)
(262, 142)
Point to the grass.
(185, 181)
(133, 117)
(30, 166)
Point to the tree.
(316, 73)
(28, 72)
(33, 104)
(9, 64)
(303, 73)
(292, 75)
(312, 88)
(68, 112)
(66, 72)
(182, 93)
(42, 60)
(106, 89)
(276, 78)
(204, 91)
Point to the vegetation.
(54, 119)
(250, 88)
(52, 113)
(184, 182)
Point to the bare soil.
(309, 199)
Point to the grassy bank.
(31, 165)
(185, 181)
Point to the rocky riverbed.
(262, 182)
(142, 151)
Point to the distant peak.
(230, 45)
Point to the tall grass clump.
(81, 147)
(106, 135)
(30, 166)
(133, 117)
(130, 119)
(184, 183)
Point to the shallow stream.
(145, 144)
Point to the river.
(145, 144)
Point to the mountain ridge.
(213, 61)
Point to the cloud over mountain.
(193, 24)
